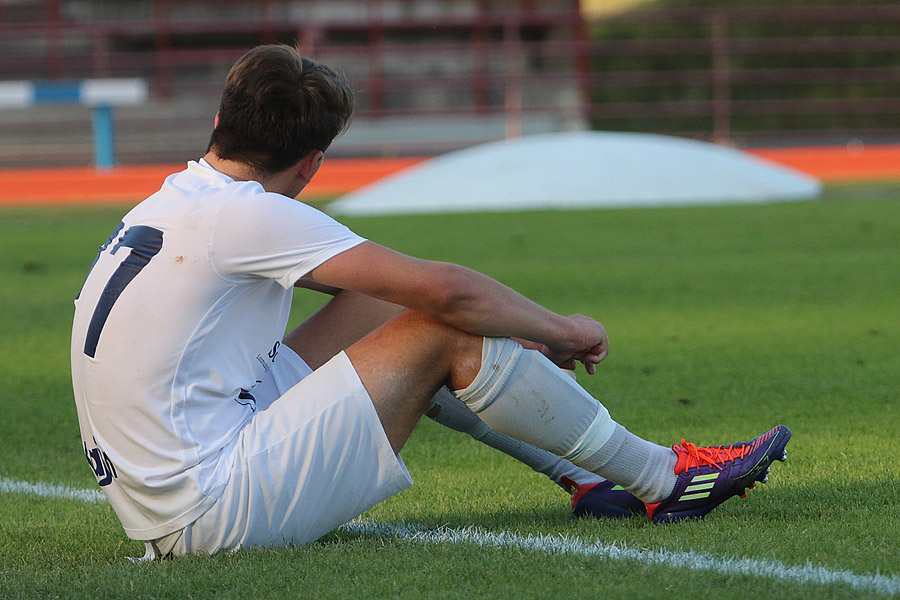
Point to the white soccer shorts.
(311, 460)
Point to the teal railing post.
(104, 136)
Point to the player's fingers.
(589, 361)
(568, 364)
(600, 351)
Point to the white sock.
(645, 469)
(522, 394)
(450, 411)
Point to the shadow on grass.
(829, 510)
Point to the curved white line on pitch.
(552, 544)
(49, 490)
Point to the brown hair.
(277, 107)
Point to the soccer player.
(211, 429)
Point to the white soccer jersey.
(181, 314)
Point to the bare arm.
(463, 298)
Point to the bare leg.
(349, 316)
(343, 321)
(517, 392)
(403, 363)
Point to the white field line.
(49, 490)
(555, 544)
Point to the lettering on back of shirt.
(100, 463)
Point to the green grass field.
(723, 322)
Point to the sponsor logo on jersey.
(272, 354)
(245, 398)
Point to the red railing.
(509, 58)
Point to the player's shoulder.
(248, 202)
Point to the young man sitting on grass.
(209, 429)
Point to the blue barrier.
(99, 94)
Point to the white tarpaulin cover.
(589, 169)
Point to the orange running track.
(130, 184)
(836, 164)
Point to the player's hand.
(595, 340)
(563, 361)
(589, 345)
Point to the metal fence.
(732, 74)
(808, 73)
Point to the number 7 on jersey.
(145, 243)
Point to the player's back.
(162, 345)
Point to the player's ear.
(216, 121)
(309, 165)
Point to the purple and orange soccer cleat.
(603, 500)
(707, 476)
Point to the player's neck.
(234, 169)
(280, 183)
